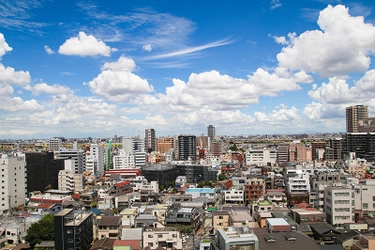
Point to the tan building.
(165, 144)
(110, 227)
(167, 238)
(354, 115)
(220, 219)
(127, 217)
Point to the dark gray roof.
(301, 242)
(110, 221)
(347, 236)
(323, 228)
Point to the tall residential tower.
(355, 115)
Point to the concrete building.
(97, 156)
(235, 238)
(261, 157)
(339, 204)
(13, 181)
(364, 199)
(110, 227)
(73, 229)
(234, 195)
(69, 180)
(124, 160)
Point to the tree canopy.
(43, 230)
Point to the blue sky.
(100, 68)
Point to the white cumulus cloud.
(4, 47)
(85, 45)
(342, 46)
(117, 83)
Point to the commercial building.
(339, 204)
(55, 144)
(235, 238)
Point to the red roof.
(76, 196)
(123, 183)
(133, 243)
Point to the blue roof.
(96, 211)
(200, 190)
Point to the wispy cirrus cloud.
(191, 50)
(17, 14)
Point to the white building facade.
(13, 181)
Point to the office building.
(187, 147)
(355, 115)
(96, 157)
(362, 144)
(13, 182)
(150, 140)
(73, 229)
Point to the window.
(150, 236)
(160, 236)
(69, 231)
(150, 244)
(220, 217)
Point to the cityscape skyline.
(266, 67)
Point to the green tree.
(221, 177)
(233, 148)
(200, 184)
(43, 230)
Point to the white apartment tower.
(68, 179)
(13, 181)
(97, 155)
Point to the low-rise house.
(128, 216)
(145, 220)
(346, 239)
(167, 238)
(277, 225)
(132, 237)
(325, 232)
(364, 242)
(308, 215)
(110, 227)
(240, 218)
(120, 188)
(183, 215)
(220, 219)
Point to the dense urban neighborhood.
(192, 192)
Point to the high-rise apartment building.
(211, 132)
(55, 144)
(13, 181)
(187, 147)
(150, 140)
(354, 115)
